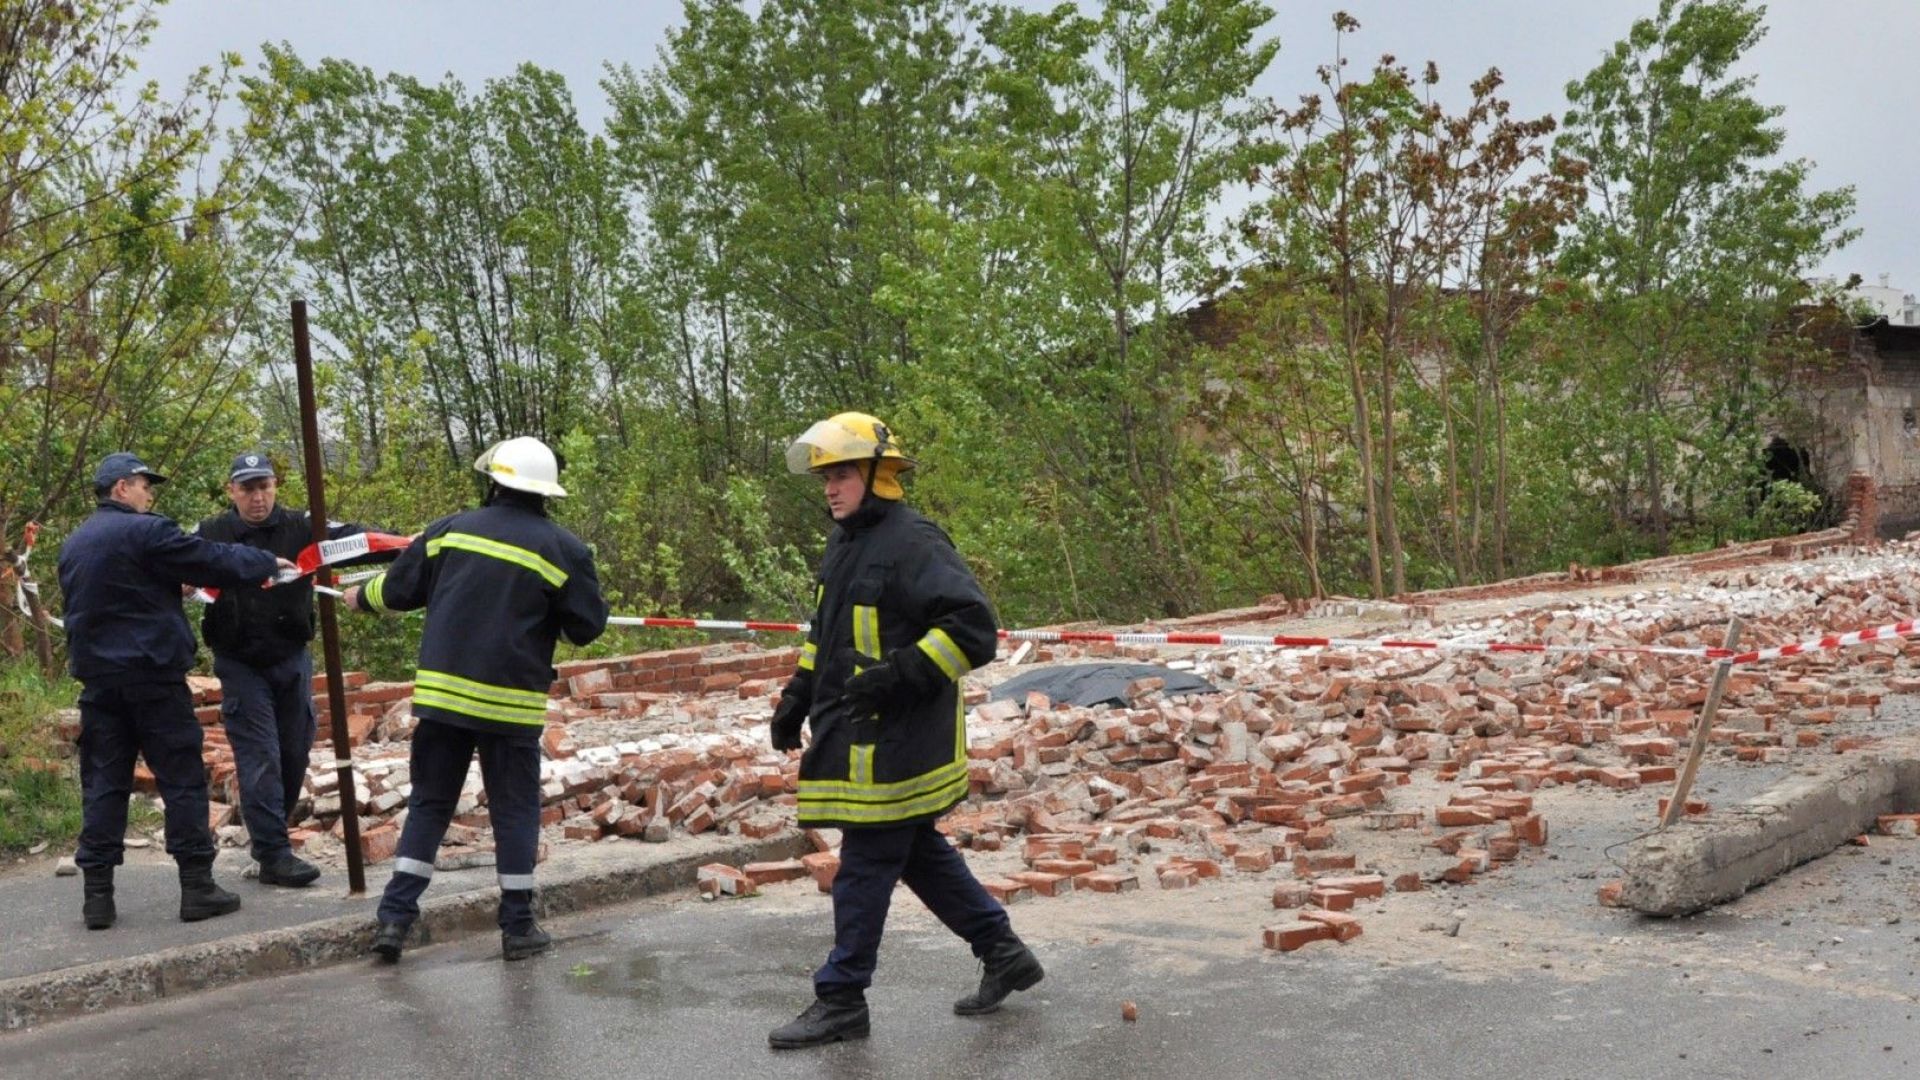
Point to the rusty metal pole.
(329, 625)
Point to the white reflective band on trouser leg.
(516, 882)
(412, 866)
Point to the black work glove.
(788, 716)
(905, 678)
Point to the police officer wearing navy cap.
(259, 642)
(130, 647)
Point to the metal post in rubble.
(1683, 785)
(329, 626)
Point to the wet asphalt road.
(680, 988)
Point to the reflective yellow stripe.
(480, 545)
(506, 714)
(498, 695)
(868, 791)
(860, 764)
(866, 630)
(942, 651)
(373, 591)
(807, 654)
(842, 810)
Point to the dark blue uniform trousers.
(510, 770)
(268, 713)
(154, 721)
(872, 861)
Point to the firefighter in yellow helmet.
(899, 619)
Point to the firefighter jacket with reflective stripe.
(120, 575)
(262, 627)
(891, 587)
(501, 584)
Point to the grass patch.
(39, 794)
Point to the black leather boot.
(1010, 966)
(520, 946)
(96, 897)
(832, 1017)
(289, 870)
(200, 898)
(390, 940)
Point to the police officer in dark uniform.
(259, 642)
(130, 647)
(501, 584)
(900, 619)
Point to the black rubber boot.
(289, 870)
(96, 897)
(1010, 966)
(520, 946)
(200, 898)
(832, 1017)
(390, 941)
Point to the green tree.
(121, 281)
(1694, 245)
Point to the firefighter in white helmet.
(500, 584)
(899, 619)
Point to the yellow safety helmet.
(855, 437)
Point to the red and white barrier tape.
(1226, 640)
(1891, 631)
(1909, 628)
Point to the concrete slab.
(1712, 859)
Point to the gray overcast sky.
(1845, 70)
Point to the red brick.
(1345, 927)
(1611, 894)
(1903, 825)
(595, 680)
(1291, 894)
(378, 844)
(1694, 806)
(1068, 867)
(1331, 899)
(1532, 829)
(1450, 817)
(1286, 937)
(1108, 881)
(718, 879)
(1178, 877)
(1312, 862)
(769, 873)
(1005, 891)
(1362, 886)
(1254, 861)
(1044, 883)
(823, 865)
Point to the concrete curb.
(37, 999)
(1705, 861)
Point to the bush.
(39, 796)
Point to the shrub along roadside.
(39, 792)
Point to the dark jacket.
(501, 584)
(891, 587)
(120, 575)
(262, 627)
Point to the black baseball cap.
(250, 466)
(118, 466)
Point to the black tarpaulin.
(1097, 684)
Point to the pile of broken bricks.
(1257, 780)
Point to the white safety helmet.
(523, 464)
